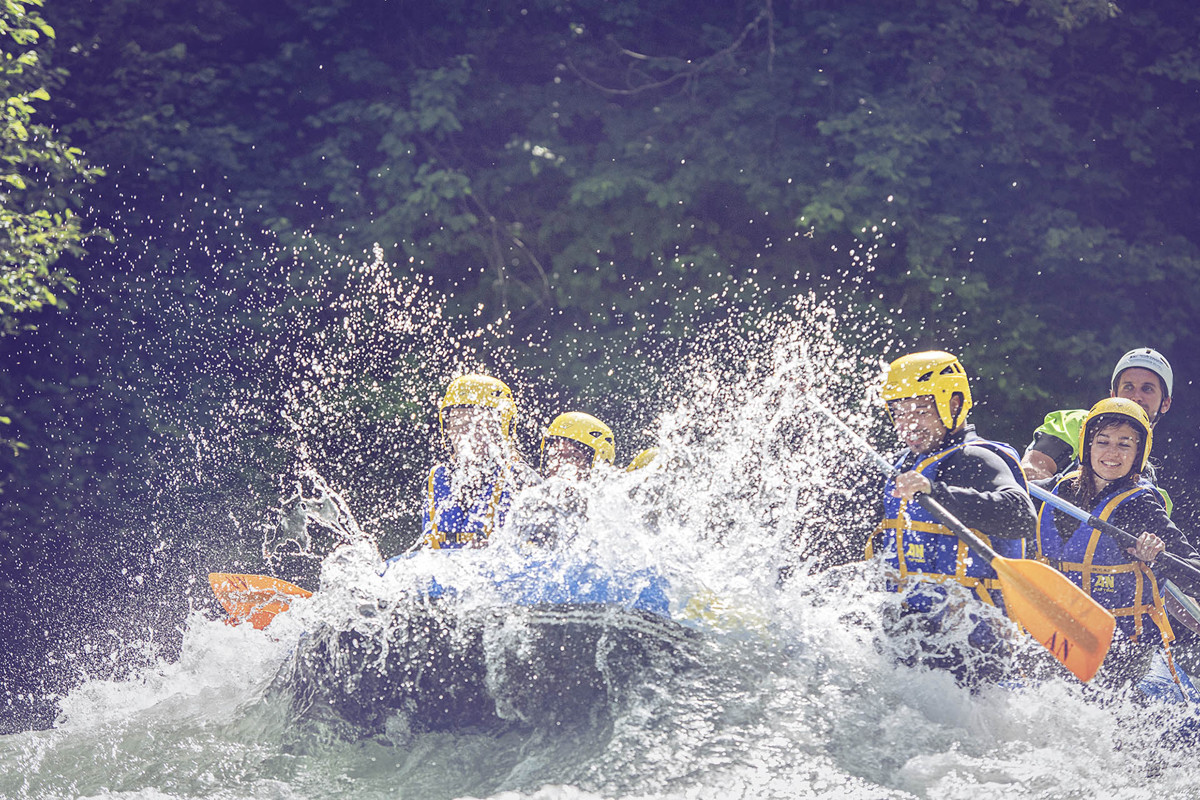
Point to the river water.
(791, 688)
(792, 697)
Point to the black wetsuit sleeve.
(1054, 447)
(976, 485)
(1146, 513)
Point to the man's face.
(474, 432)
(917, 423)
(1144, 388)
(567, 458)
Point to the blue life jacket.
(450, 525)
(914, 543)
(1099, 565)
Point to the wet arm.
(1048, 455)
(979, 488)
(1149, 515)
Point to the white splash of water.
(795, 690)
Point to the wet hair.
(1086, 482)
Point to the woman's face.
(1113, 451)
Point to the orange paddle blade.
(1066, 620)
(253, 598)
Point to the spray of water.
(781, 682)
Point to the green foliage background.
(1008, 179)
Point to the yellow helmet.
(933, 373)
(585, 429)
(1117, 407)
(482, 391)
(643, 459)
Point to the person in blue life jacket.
(977, 480)
(468, 498)
(1142, 375)
(1145, 376)
(1114, 443)
(573, 446)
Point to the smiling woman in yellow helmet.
(468, 499)
(1114, 445)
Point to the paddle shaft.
(1173, 566)
(1180, 606)
(854, 436)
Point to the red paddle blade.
(1066, 620)
(253, 598)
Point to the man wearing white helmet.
(1143, 375)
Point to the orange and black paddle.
(253, 598)
(1066, 620)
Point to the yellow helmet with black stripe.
(1117, 409)
(585, 429)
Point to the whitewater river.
(788, 689)
(806, 707)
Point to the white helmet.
(1149, 359)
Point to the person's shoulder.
(987, 457)
(1063, 424)
(977, 446)
(1148, 494)
(1067, 415)
(1131, 498)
